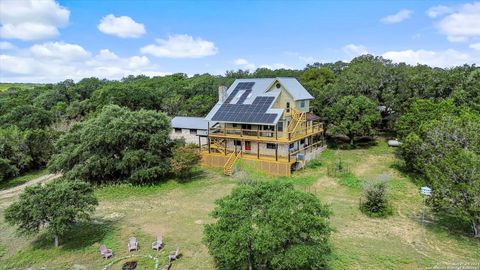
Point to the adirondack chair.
(133, 244)
(174, 255)
(157, 245)
(105, 252)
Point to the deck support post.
(258, 150)
(276, 152)
(199, 144)
(288, 153)
(225, 147)
(208, 136)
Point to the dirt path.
(15, 190)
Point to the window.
(178, 130)
(288, 105)
(193, 131)
(291, 145)
(234, 125)
(248, 145)
(302, 104)
(302, 141)
(280, 126)
(271, 146)
(237, 143)
(246, 126)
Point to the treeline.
(378, 90)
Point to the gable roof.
(297, 90)
(249, 101)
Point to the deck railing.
(274, 135)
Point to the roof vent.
(278, 85)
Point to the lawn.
(179, 210)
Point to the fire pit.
(129, 265)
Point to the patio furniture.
(133, 244)
(105, 252)
(157, 245)
(174, 255)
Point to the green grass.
(22, 179)
(6, 86)
(179, 210)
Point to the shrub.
(183, 160)
(375, 204)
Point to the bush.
(375, 204)
(183, 160)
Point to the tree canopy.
(266, 225)
(116, 145)
(57, 206)
(353, 116)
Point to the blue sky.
(48, 41)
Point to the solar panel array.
(245, 113)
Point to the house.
(267, 123)
(193, 129)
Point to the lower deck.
(274, 165)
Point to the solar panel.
(246, 113)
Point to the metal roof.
(259, 89)
(189, 122)
(297, 90)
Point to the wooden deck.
(268, 164)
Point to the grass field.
(5, 86)
(178, 211)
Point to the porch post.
(258, 150)
(276, 152)
(208, 136)
(288, 153)
(200, 143)
(225, 147)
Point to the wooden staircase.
(217, 145)
(297, 119)
(228, 167)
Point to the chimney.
(222, 93)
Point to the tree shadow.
(81, 235)
(342, 143)
(400, 166)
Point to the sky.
(50, 41)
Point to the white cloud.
(240, 61)
(462, 24)
(181, 46)
(31, 19)
(353, 50)
(275, 66)
(400, 16)
(436, 11)
(4, 45)
(475, 46)
(59, 51)
(245, 64)
(122, 26)
(306, 59)
(52, 62)
(447, 58)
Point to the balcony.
(266, 135)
